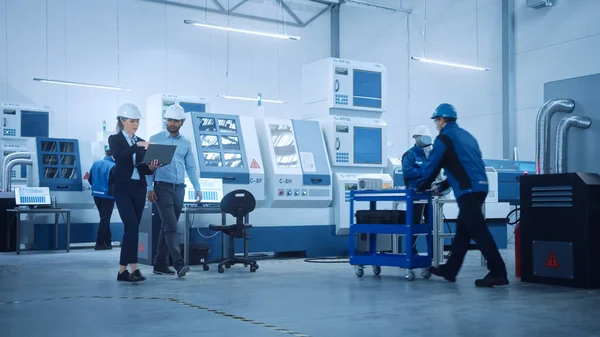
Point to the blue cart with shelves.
(407, 260)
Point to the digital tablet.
(162, 153)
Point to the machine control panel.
(32, 196)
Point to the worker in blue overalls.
(166, 188)
(99, 179)
(129, 185)
(458, 152)
(412, 162)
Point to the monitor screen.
(193, 107)
(367, 145)
(212, 190)
(367, 89)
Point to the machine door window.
(284, 145)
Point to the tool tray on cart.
(386, 217)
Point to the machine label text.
(285, 181)
(256, 180)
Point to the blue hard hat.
(444, 110)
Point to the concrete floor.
(61, 294)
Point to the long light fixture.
(252, 32)
(254, 99)
(368, 4)
(80, 84)
(422, 59)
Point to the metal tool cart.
(373, 222)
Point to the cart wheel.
(376, 270)
(252, 269)
(426, 273)
(410, 275)
(359, 271)
(205, 267)
(220, 269)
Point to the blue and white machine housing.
(347, 98)
(298, 172)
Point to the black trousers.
(130, 199)
(105, 209)
(169, 204)
(470, 225)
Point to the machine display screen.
(342, 128)
(367, 145)
(367, 88)
(193, 107)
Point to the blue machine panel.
(220, 146)
(367, 88)
(58, 164)
(309, 138)
(34, 124)
(367, 145)
(509, 173)
(193, 107)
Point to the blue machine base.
(315, 241)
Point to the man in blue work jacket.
(99, 179)
(457, 151)
(166, 188)
(412, 161)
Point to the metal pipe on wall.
(542, 131)
(562, 135)
(7, 177)
(8, 159)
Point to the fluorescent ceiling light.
(207, 25)
(255, 99)
(368, 4)
(79, 84)
(422, 59)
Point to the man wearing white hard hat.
(129, 185)
(166, 188)
(412, 161)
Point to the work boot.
(441, 272)
(490, 281)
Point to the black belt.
(162, 183)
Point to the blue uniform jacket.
(412, 162)
(99, 177)
(457, 151)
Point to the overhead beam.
(219, 5)
(289, 11)
(317, 15)
(335, 31)
(238, 5)
(240, 15)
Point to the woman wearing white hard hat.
(129, 185)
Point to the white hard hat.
(175, 111)
(130, 111)
(421, 130)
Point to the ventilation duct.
(562, 135)
(542, 131)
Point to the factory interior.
(308, 168)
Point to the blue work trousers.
(130, 199)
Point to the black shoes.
(181, 271)
(490, 281)
(441, 272)
(103, 246)
(125, 276)
(163, 270)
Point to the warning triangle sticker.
(141, 247)
(85, 177)
(552, 262)
(254, 164)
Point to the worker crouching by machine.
(99, 179)
(412, 162)
(458, 152)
